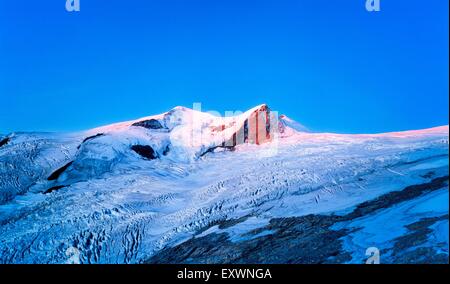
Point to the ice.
(381, 228)
(117, 207)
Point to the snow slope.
(91, 193)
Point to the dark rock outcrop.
(54, 188)
(256, 129)
(391, 198)
(308, 239)
(56, 174)
(4, 141)
(90, 138)
(305, 239)
(149, 124)
(411, 247)
(145, 151)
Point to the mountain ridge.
(146, 186)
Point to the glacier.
(190, 187)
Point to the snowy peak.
(123, 192)
(292, 124)
(181, 135)
(195, 132)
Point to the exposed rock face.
(54, 188)
(309, 239)
(145, 151)
(4, 141)
(258, 128)
(255, 130)
(150, 124)
(395, 197)
(306, 240)
(90, 138)
(411, 247)
(121, 206)
(56, 174)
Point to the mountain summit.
(187, 186)
(197, 133)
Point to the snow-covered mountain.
(190, 187)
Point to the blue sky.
(330, 65)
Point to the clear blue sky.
(327, 64)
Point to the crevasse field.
(144, 192)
